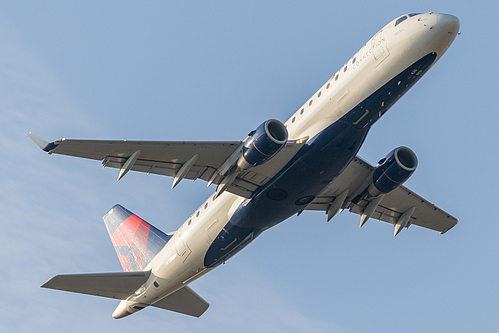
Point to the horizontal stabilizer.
(185, 301)
(112, 285)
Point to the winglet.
(46, 146)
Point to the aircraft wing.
(168, 157)
(355, 179)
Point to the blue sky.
(214, 71)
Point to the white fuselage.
(393, 49)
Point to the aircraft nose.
(449, 23)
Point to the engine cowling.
(263, 143)
(393, 171)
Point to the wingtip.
(44, 145)
(47, 283)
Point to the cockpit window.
(413, 14)
(400, 20)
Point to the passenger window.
(337, 76)
(310, 104)
(400, 20)
(345, 69)
(293, 120)
(319, 94)
(353, 61)
(301, 112)
(327, 87)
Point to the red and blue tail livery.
(136, 242)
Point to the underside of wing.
(157, 157)
(355, 179)
(400, 200)
(181, 160)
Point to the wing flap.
(112, 285)
(185, 301)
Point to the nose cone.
(449, 23)
(447, 28)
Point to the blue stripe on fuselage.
(321, 160)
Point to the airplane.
(309, 162)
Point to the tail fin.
(136, 242)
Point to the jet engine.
(393, 171)
(263, 143)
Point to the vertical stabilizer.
(136, 242)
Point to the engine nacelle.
(263, 143)
(393, 171)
